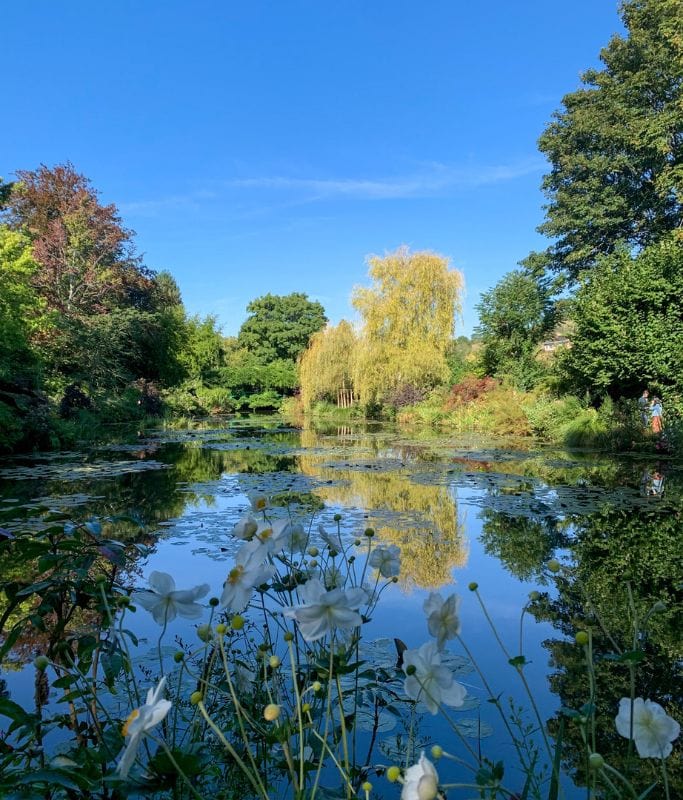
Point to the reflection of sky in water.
(424, 495)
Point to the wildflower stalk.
(297, 695)
(219, 734)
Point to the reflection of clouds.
(421, 519)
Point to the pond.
(463, 511)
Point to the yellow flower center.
(265, 534)
(134, 714)
(235, 574)
(260, 504)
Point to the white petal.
(161, 582)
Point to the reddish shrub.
(469, 389)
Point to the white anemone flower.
(242, 579)
(431, 682)
(243, 679)
(323, 611)
(443, 619)
(386, 560)
(258, 500)
(334, 577)
(245, 528)
(653, 729)
(332, 540)
(294, 538)
(421, 781)
(165, 602)
(268, 539)
(140, 722)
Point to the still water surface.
(461, 509)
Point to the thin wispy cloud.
(431, 180)
(435, 180)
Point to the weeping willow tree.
(408, 322)
(326, 367)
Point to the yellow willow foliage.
(326, 367)
(432, 540)
(408, 322)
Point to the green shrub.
(588, 429)
(11, 429)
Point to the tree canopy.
(408, 322)
(616, 147)
(280, 326)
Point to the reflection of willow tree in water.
(615, 551)
(432, 540)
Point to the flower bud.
(366, 786)
(313, 551)
(316, 686)
(288, 637)
(581, 637)
(305, 708)
(41, 662)
(337, 517)
(393, 774)
(554, 565)
(204, 632)
(312, 563)
(196, 697)
(178, 656)
(274, 662)
(357, 542)
(271, 712)
(533, 596)
(473, 586)
(369, 532)
(437, 752)
(410, 669)
(596, 761)
(100, 579)
(213, 602)
(237, 622)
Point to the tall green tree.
(408, 322)
(280, 326)
(628, 316)
(616, 147)
(513, 318)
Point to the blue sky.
(271, 146)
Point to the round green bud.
(316, 686)
(204, 632)
(305, 708)
(333, 553)
(357, 542)
(533, 596)
(288, 637)
(366, 786)
(237, 622)
(123, 600)
(274, 662)
(41, 662)
(554, 565)
(394, 579)
(196, 697)
(312, 563)
(213, 602)
(337, 517)
(178, 656)
(313, 551)
(369, 532)
(271, 712)
(393, 774)
(596, 761)
(221, 628)
(410, 669)
(581, 637)
(437, 752)
(352, 559)
(473, 586)
(100, 579)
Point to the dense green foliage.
(514, 317)
(616, 148)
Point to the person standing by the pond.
(656, 415)
(644, 406)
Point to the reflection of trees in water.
(432, 540)
(523, 545)
(615, 550)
